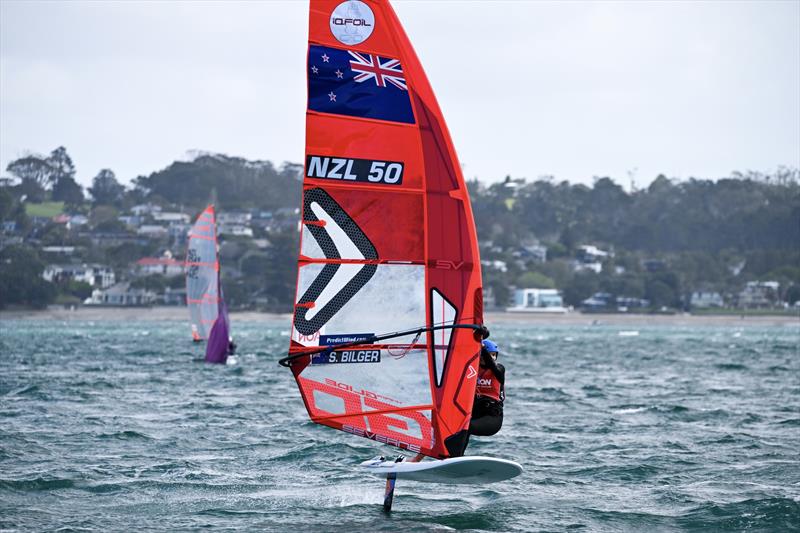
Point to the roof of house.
(148, 261)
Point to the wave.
(37, 484)
(125, 435)
(769, 514)
(731, 366)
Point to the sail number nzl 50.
(350, 169)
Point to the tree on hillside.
(105, 189)
(61, 165)
(34, 174)
(21, 281)
(6, 204)
(62, 177)
(32, 168)
(11, 209)
(67, 190)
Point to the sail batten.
(387, 243)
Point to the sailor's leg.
(486, 425)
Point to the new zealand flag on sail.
(357, 84)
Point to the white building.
(145, 209)
(590, 258)
(166, 266)
(537, 301)
(133, 221)
(706, 299)
(496, 264)
(78, 220)
(235, 230)
(151, 231)
(759, 294)
(95, 275)
(66, 250)
(240, 219)
(121, 294)
(180, 218)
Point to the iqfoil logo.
(352, 22)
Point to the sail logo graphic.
(352, 22)
(391, 423)
(447, 264)
(338, 237)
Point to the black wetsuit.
(487, 413)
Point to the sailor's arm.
(497, 369)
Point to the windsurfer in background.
(487, 411)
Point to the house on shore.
(706, 300)
(165, 265)
(122, 295)
(759, 294)
(589, 257)
(95, 275)
(537, 301)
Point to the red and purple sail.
(388, 242)
(207, 311)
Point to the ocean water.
(121, 426)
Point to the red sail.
(388, 241)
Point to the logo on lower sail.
(352, 22)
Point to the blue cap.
(490, 346)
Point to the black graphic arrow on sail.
(355, 239)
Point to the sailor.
(231, 346)
(487, 411)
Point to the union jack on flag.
(382, 69)
(341, 82)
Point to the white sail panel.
(393, 299)
(444, 314)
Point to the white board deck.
(457, 470)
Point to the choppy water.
(120, 426)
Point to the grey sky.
(570, 89)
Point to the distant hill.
(237, 183)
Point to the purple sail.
(219, 342)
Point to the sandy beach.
(573, 318)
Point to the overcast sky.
(569, 89)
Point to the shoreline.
(176, 313)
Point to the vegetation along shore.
(724, 245)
